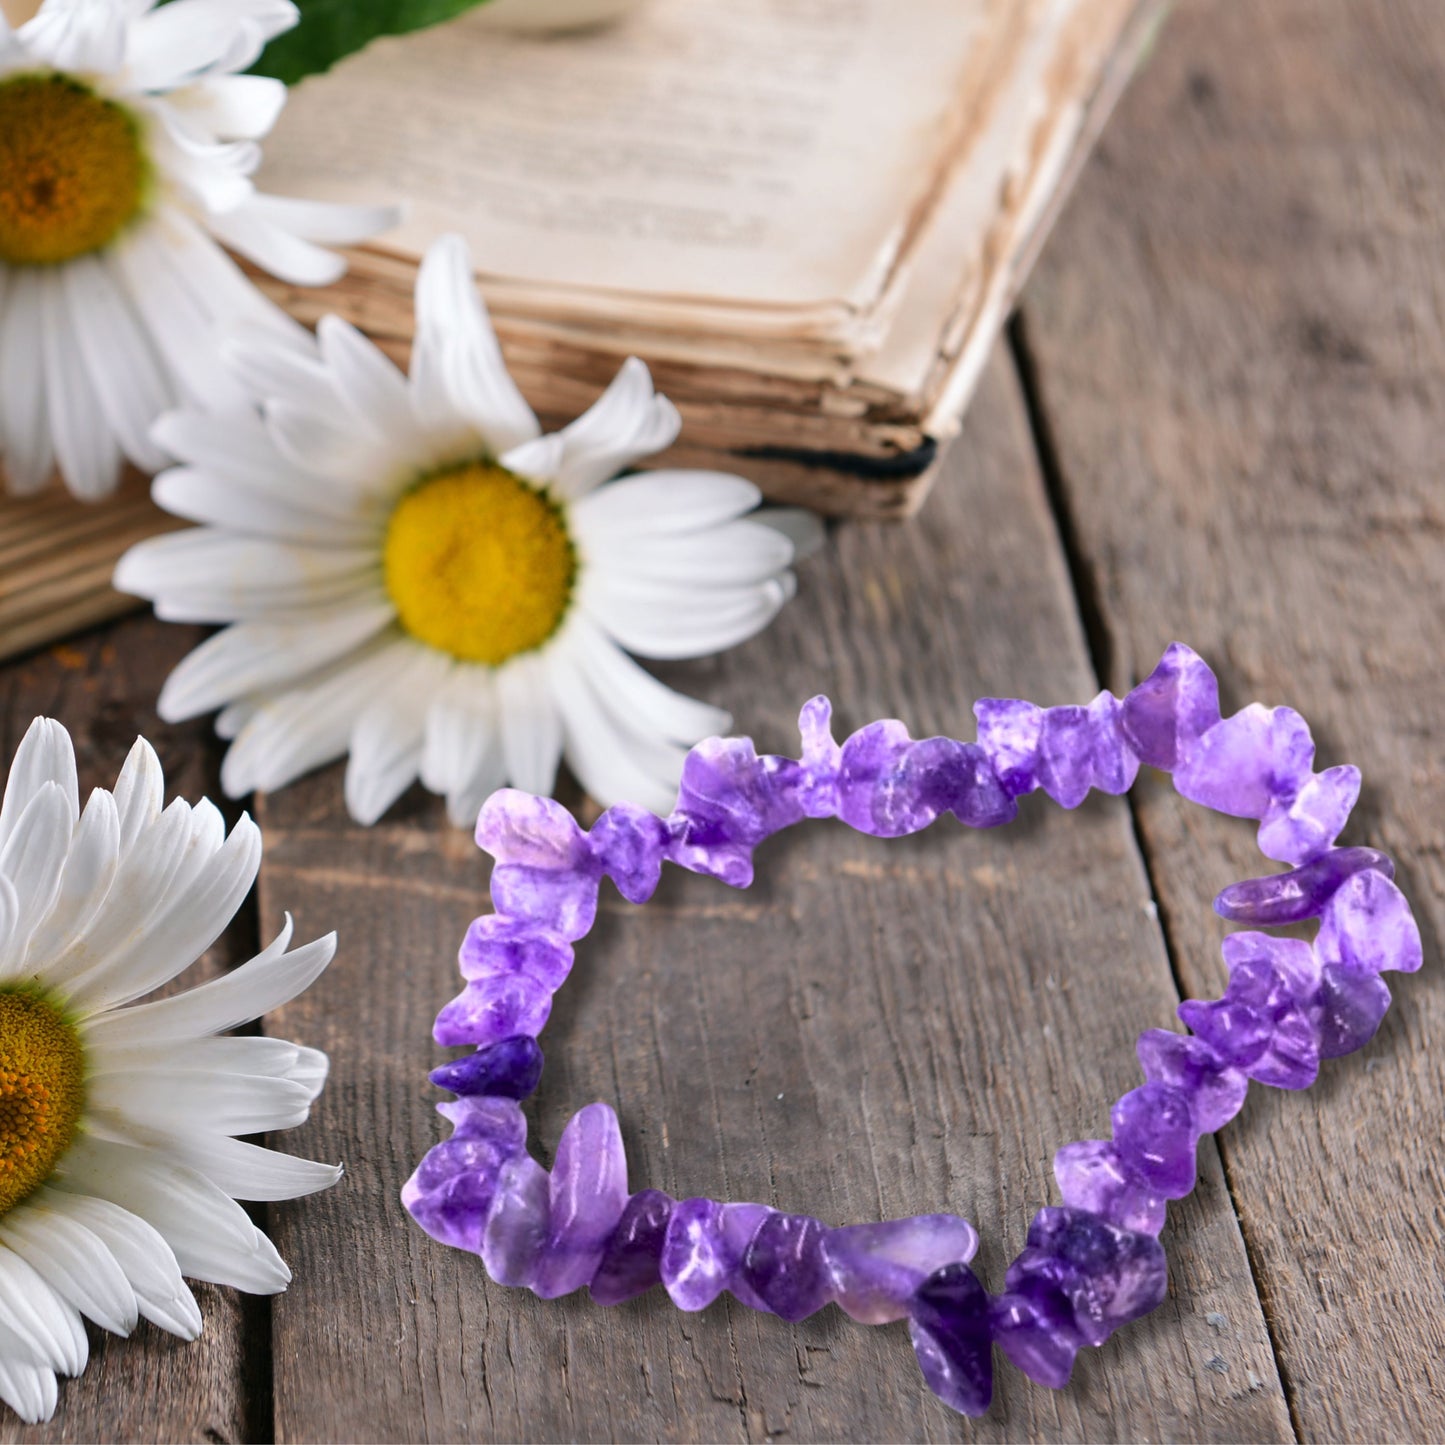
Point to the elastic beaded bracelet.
(1089, 1266)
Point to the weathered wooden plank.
(875, 1029)
(1239, 336)
(56, 558)
(150, 1386)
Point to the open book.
(808, 216)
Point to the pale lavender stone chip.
(1296, 829)
(1243, 764)
(1009, 731)
(1216, 1090)
(495, 947)
(588, 1195)
(1367, 927)
(493, 1009)
(1171, 709)
(515, 1237)
(629, 844)
(697, 1262)
(1155, 1135)
(877, 1268)
(1092, 1175)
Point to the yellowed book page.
(763, 153)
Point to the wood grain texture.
(1239, 336)
(152, 1386)
(56, 559)
(875, 1029)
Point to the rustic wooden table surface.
(1219, 416)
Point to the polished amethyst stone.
(588, 1194)
(1348, 1007)
(1093, 1175)
(1155, 1135)
(785, 1266)
(497, 947)
(1082, 748)
(1166, 715)
(1108, 1275)
(1301, 893)
(515, 1237)
(876, 1269)
(1243, 764)
(1367, 927)
(1034, 1327)
(952, 1337)
(1296, 829)
(493, 1009)
(629, 844)
(1089, 1266)
(511, 1069)
(729, 800)
(697, 1262)
(1215, 1089)
(631, 1261)
(1009, 732)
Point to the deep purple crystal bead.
(629, 844)
(1093, 1175)
(1367, 927)
(631, 1260)
(1155, 1135)
(785, 1267)
(1034, 1327)
(1166, 715)
(1108, 1275)
(952, 1337)
(876, 1269)
(729, 800)
(1302, 892)
(588, 1193)
(1349, 1007)
(511, 1069)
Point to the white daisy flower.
(416, 576)
(118, 1169)
(127, 143)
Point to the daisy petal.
(124, 370)
(247, 1171)
(36, 1315)
(45, 755)
(72, 1260)
(29, 1388)
(32, 860)
(663, 504)
(273, 249)
(666, 621)
(735, 554)
(250, 656)
(462, 755)
(634, 692)
(84, 35)
(387, 741)
(24, 417)
(86, 879)
(452, 323)
(84, 445)
(148, 1262)
(603, 757)
(328, 222)
(531, 725)
(234, 107)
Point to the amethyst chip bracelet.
(1090, 1265)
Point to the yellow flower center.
(42, 1091)
(72, 170)
(479, 563)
